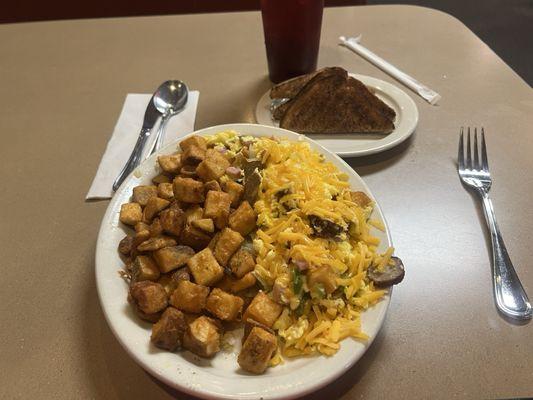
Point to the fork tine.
(468, 152)
(461, 155)
(476, 152)
(484, 161)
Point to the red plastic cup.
(292, 36)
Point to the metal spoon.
(170, 99)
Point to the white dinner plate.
(220, 377)
(356, 144)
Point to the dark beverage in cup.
(292, 36)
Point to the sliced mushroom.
(251, 187)
(324, 228)
(390, 275)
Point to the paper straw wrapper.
(426, 93)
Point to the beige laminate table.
(62, 88)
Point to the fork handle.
(511, 298)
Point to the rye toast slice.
(336, 103)
(290, 88)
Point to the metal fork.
(511, 298)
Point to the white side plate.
(354, 144)
(220, 377)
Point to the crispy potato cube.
(205, 268)
(205, 224)
(155, 228)
(194, 237)
(223, 305)
(172, 220)
(170, 258)
(140, 237)
(188, 171)
(234, 285)
(227, 244)
(257, 350)
(170, 280)
(156, 243)
(170, 164)
(150, 297)
(241, 263)
(141, 194)
(216, 207)
(212, 185)
(130, 213)
(161, 178)
(141, 226)
(193, 213)
(194, 140)
(361, 199)
(144, 269)
(214, 241)
(126, 245)
(189, 297)
(235, 190)
(213, 166)
(251, 324)
(165, 191)
(153, 206)
(188, 190)
(167, 333)
(193, 155)
(243, 219)
(202, 337)
(263, 310)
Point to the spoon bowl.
(169, 99)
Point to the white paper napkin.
(125, 135)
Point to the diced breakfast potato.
(126, 245)
(165, 191)
(202, 337)
(161, 178)
(144, 269)
(156, 243)
(235, 190)
(189, 297)
(188, 190)
(214, 241)
(141, 226)
(257, 350)
(153, 206)
(193, 213)
(212, 185)
(170, 280)
(263, 310)
(170, 258)
(141, 194)
(149, 296)
(205, 224)
(223, 305)
(243, 219)
(130, 213)
(167, 333)
(140, 237)
(155, 228)
(213, 166)
(227, 244)
(194, 237)
(234, 285)
(188, 171)
(172, 220)
(170, 164)
(193, 141)
(361, 199)
(251, 324)
(205, 268)
(193, 155)
(216, 207)
(241, 263)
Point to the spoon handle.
(159, 136)
(135, 158)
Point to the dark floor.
(505, 25)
